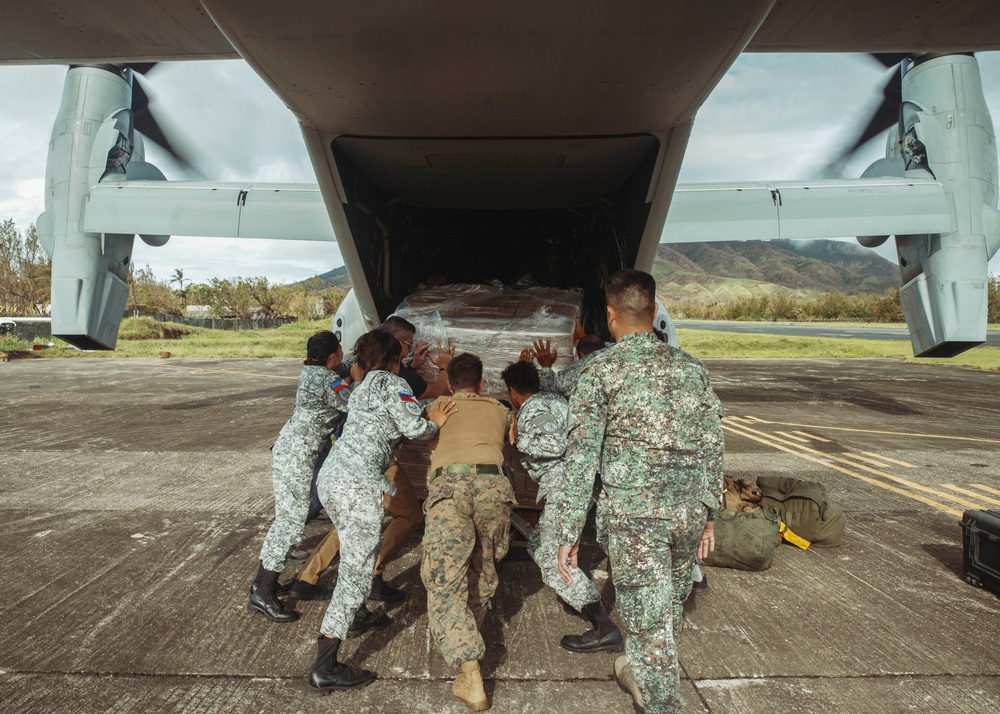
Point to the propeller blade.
(887, 112)
(887, 59)
(145, 123)
(141, 67)
(885, 115)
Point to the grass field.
(140, 338)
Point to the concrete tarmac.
(814, 329)
(134, 495)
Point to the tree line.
(26, 279)
(884, 307)
(26, 276)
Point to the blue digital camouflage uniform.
(541, 443)
(645, 415)
(320, 400)
(352, 484)
(564, 383)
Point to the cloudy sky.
(773, 117)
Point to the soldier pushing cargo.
(351, 485)
(539, 434)
(319, 400)
(467, 515)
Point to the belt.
(479, 469)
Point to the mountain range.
(714, 272)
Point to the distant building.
(198, 311)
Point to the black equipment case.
(981, 549)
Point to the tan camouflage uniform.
(352, 482)
(467, 525)
(320, 400)
(645, 415)
(541, 443)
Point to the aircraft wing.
(698, 212)
(880, 26)
(93, 31)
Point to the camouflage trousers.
(543, 546)
(651, 561)
(467, 529)
(356, 512)
(291, 471)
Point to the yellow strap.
(790, 536)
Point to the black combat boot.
(301, 590)
(264, 600)
(365, 620)
(381, 590)
(605, 635)
(328, 675)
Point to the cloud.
(771, 117)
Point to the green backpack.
(805, 507)
(744, 540)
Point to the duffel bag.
(805, 507)
(744, 540)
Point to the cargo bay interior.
(517, 230)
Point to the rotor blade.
(145, 123)
(886, 114)
(887, 59)
(141, 67)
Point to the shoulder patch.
(338, 386)
(546, 422)
(411, 403)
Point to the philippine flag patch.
(338, 386)
(410, 402)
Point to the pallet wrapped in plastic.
(494, 322)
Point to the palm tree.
(179, 279)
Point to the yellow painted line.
(849, 455)
(793, 437)
(812, 436)
(967, 492)
(981, 487)
(738, 420)
(860, 477)
(884, 433)
(891, 461)
(883, 474)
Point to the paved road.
(813, 330)
(134, 495)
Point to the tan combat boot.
(623, 673)
(468, 687)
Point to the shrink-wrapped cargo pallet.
(495, 323)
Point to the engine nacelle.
(93, 140)
(947, 132)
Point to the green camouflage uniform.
(645, 416)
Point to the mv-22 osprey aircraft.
(478, 140)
